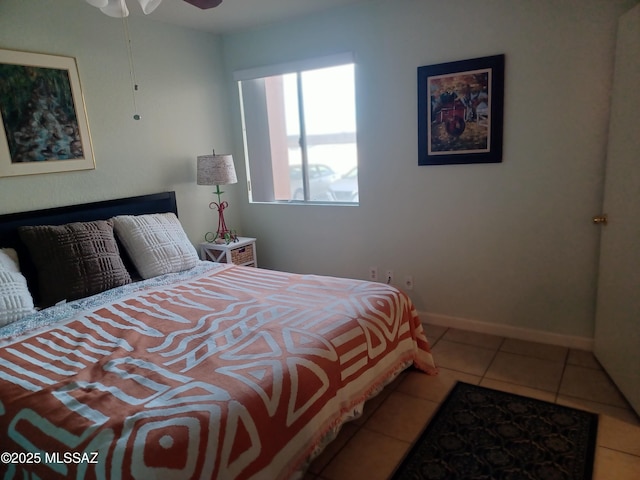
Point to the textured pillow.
(155, 243)
(74, 260)
(9, 260)
(15, 299)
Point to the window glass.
(300, 135)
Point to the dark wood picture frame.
(460, 111)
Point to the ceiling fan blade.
(204, 4)
(149, 6)
(115, 8)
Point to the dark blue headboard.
(140, 205)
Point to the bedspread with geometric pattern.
(224, 372)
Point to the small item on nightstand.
(228, 237)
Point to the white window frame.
(255, 167)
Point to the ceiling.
(233, 15)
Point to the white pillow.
(9, 260)
(15, 299)
(155, 243)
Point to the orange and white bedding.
(220, 372)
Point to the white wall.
(509, 244)
(182, 100)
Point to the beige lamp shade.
(216, 170)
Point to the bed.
(146, 362)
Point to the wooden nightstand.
(242, 252)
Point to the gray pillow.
(74, 260)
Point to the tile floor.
(370, 447)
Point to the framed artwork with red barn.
(460, 111)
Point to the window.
(299, 124)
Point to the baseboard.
(509, 331)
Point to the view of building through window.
(300, 136)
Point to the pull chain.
(132, 70)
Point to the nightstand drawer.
(242, 255)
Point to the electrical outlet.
(388, 277)
(373, 274)
(408, 282)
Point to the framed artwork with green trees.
(44, 126)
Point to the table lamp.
(218, 170)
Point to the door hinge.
(601, 219)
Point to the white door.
(617, 333)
